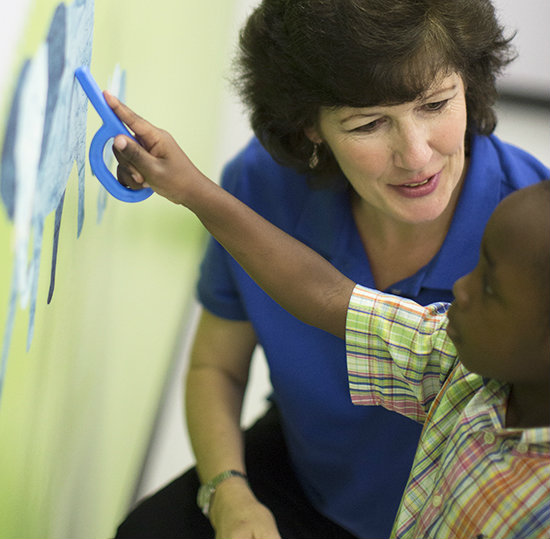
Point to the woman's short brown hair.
(299, 55)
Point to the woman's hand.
(157, 161)
(237, 514)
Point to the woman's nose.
(412, 150)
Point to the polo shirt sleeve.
(217, 289)
(398, 352)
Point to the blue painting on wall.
(45, 136)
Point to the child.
(482, 467)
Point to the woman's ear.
(312, 133)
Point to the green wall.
(78, 408)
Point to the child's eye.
(488, 289)
(436, 105)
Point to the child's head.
(500, 319)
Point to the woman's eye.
(436, 105)
(371, 126)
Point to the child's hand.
(157, 161)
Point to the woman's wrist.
(234, 488)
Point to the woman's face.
(407, 160)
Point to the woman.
(373, 121)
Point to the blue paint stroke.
(7, 165)
(46, 135)
(19, 173)
(55, 248)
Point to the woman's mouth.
(417, 184)
(420, 188)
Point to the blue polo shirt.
(352, 461)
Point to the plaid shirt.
(471, 476)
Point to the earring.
(314, 159)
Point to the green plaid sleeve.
(398, 352)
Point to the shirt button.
(395, 291)
(489, 438)
(522, 447)
(437, 500)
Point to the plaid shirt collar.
(494, 395)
